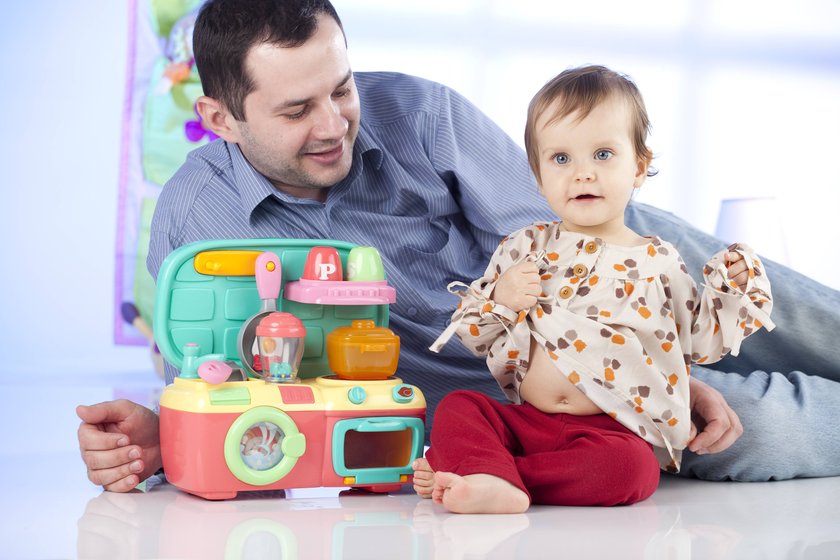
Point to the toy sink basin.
(363, 351)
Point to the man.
(308, 149)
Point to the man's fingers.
(729, 436)
(718, 434)
(717, 422)
(91, 438)
(112, 476)
(727, 439)
(104, 460)
(126, 484)
(114, 411)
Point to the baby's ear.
(641, 172)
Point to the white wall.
(63, 74)
(743, 98)
(742, 95)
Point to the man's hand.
(518, 287)
(120, 443)
(717, 423)
(736, 268)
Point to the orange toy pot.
(363, 351)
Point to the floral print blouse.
(623, 324)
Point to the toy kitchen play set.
(286, 369)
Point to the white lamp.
(755, 221)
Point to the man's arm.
(487, 172)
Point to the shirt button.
(411, 311)
(591, 247)
(565, 292)
(580, 270)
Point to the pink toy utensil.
(269, 277)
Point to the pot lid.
(363, 331)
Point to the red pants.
(557, 459)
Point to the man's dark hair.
(225, 31)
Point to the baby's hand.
(518, 287)
(737, 269)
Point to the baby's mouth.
(586, 197)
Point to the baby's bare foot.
(478, 493)
(424, 477)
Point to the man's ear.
(217, 118)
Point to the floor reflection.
(685, 520)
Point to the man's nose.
(330, 123)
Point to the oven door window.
(376, 449)
(263, 445)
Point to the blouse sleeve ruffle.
(479, 321)
(736, 314)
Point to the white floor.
(50, 510)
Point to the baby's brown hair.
(580, 90)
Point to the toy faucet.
(193, 360)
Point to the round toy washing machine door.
(263, 445)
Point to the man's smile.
(327, 157)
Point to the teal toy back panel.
(208, 309)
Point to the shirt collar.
(366, 145)
(254, 188)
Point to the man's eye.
(341, 93)
(603, 155)
(295, 116)
(562, 159)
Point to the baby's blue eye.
(603, 155)
(562, 159)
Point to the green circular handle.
(293, 445)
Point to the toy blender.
(280, 339)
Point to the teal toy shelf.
(205, 293)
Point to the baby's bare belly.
(546, 389)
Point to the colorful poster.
(160, 126)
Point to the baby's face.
(588, 168)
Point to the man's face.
(302, 118)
